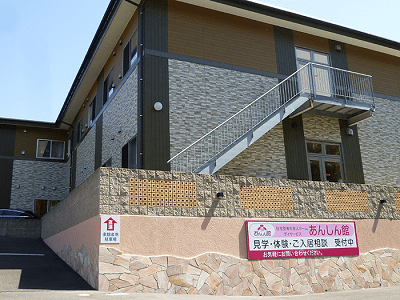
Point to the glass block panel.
(314, 148)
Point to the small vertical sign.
(110, 229)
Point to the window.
(105, 91)
(50, 149)
(130, 53)
(79, 130)
(129, 152)
(43, 206)
(92, 111)
(108, 88)
(324, 161)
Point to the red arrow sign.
(110, 224)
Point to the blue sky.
(43, 43)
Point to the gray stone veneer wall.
(265, 158)
(379, 144)
(85, 157)
(321, 128)
(31, 176)
(309, 200)
(201, 97)
(120, 113)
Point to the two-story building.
(232, 89)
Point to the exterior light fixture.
(23, 152)
(17, 186)
(350, 131)
(120, 41)
(120, 76)
(158, 106)
(220, 195)
(119, 129)
(114, 53)
(54, 188)
(112, 137)
(43, 187)
(338, 48)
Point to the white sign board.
(110, 229)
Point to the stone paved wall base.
(83, 261)
(219, 274)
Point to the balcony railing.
(311, 81)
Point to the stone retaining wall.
(309, 197)
(218, 274)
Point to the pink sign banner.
(281, 239)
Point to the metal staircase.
(329, 86)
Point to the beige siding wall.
(202, 33)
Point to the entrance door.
(324, 161)
(320, 72)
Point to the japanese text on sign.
(300, 239)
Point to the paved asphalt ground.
(30, 270)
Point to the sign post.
(281, 239)
(110, 229)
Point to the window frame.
(92, 111)
(323, 157)
(130, 55)
(49, 205)
(51, 148)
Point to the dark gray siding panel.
(295, 149)
(153, 133)
(73, 170)
(6, 170)
(351, 154)
(156, 25)
(7, 146)
(285, 51)
(156, 123)
(338, 57)
(99, 143)
(99, 92)
(7, 140)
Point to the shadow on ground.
(28, 263)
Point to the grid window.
(50, 149)
(324, 161)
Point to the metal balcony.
(327, 91)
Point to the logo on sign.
(262, 230)
(110, 224)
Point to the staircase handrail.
(240, 111)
